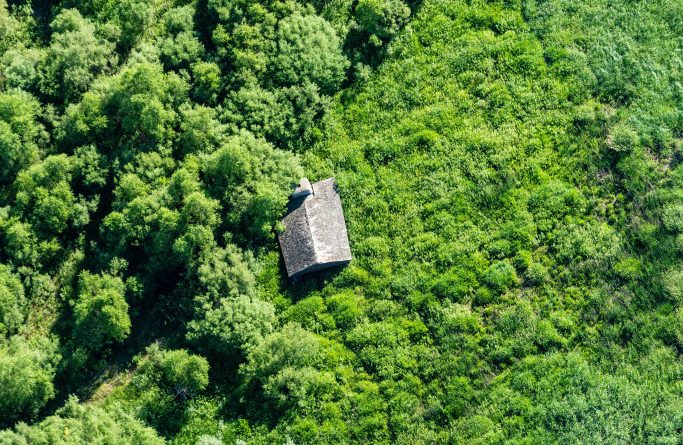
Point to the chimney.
(304, 189)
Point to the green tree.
(181, 48)
(182, 373)
(253, 182)
(74, 58)
(232, 324)
(308, 50)
(206, 85)
(101, 311)
(281, 116)
(12, 302)
(500, 276)
(77, 424)
(12, 31)
(294, 368)
(382, 18)
(21, 135)
(672, 280)
(46, 199)
(27, 370)
(228, 317)
(133, 111)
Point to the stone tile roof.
(315, 234)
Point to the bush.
(672, 217)
(77, 424)
(623, 139)
(309, 51)
(628, 268)
(12, 302)
(672, 281)
(27, 371)
(183, 374)
(232, 325)
(101, 311)
(382, 18)
(500, 276)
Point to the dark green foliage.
(500, 276)
(182, 47)
(295, 369)
(228, 316)
(237, 323)
(252, 180)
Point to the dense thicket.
(510, 174)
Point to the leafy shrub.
(12, 302)
(308, 50)
(75, 424)
(500, 276)
(101, 312)
(672, 217)
(27, 371)
(382, 18)
(235, 324)
(74, 58)
(182, 373)
(672, 280)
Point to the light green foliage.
(228, 316)
(12, 31)
(90, 170)
(74, 58)
(607, 408)
(144, 100)
(284, 62)
(200, 131)
(382, 18)
(21, 136)
(45, 197)
(253, 181)
(101, 312)
(127, 20)
(27, 369)
(207, 82)
(180, 372)
(293, 368)
(672, 280)
(511, 181)
(308, 50)
(346, 309)
(77, 424)
(500, 276)
(672, 217)
(12, 302)
(232, 324)
(182, 47)
(281, 116)
(311, 314)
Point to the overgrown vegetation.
(510, 174)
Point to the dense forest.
(512, 183)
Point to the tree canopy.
(511, 178)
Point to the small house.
(315, 234)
